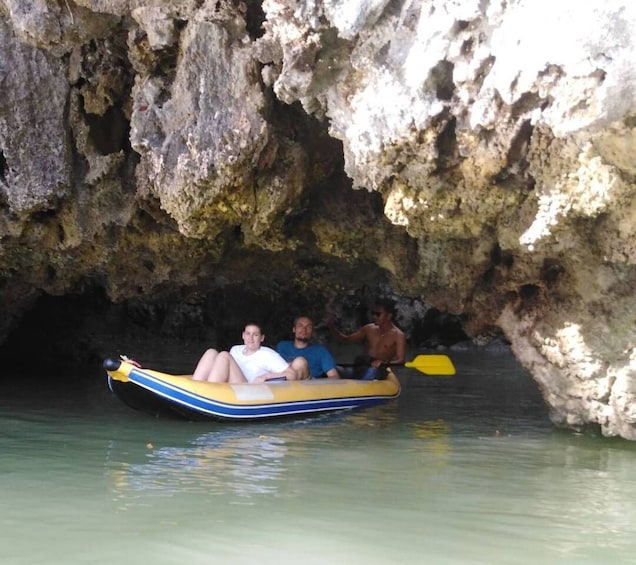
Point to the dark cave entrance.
(79, 330)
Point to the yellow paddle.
(439, 365)
(432, 365)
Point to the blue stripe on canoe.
(206, 405)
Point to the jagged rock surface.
(147, 146)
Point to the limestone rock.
(478, 155)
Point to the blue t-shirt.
(318, 357)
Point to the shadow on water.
(490, 393)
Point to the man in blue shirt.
(311, 360)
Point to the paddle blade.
(432, 365)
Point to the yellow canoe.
(160, 393)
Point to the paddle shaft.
(368, 364)
(432, 364)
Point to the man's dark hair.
(387, 304)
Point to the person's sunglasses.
(377, 313)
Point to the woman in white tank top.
(251, 362)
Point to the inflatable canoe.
(162, 394)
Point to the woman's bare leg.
(205, 364)
(225, 370)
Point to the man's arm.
(355, 337)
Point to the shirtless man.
(385, 342)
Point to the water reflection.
(244, 463)
(274, 459)
(597, 484)
(436, 435)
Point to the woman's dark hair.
(257, 324)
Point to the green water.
(460, 470)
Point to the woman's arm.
(288, 373)
(275, 366)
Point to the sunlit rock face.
(479, 155)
